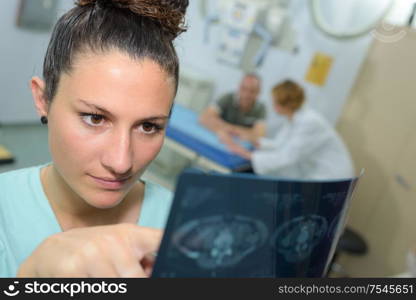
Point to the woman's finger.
(144, 240)
(126, 263)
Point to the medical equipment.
(248, 29)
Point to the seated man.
(307, 147)
(238, 114)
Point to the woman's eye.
(149, 128)
(93, 119)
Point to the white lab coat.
(306, 147)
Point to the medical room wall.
(348, 55)
(22, 52)
(21, 57)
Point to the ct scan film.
(237, 225)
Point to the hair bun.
(169, 13)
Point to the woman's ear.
(37, 86)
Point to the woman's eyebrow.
(94, 106)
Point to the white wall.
(329, 99)
(21, 55)
(400, 13)
(349, 55)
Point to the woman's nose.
(118, 157)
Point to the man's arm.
(252, 134)
(210, 118)
(258, 130)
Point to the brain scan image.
(296, 239)
(245, 226)
(220, 241)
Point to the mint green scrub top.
(26, 218)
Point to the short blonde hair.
(289, 94)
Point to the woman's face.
(107, 123)
(281, 110)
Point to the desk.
(185, 135)
(5, 155)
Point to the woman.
(307, 147)
(110, 77)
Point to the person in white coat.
(306, 147)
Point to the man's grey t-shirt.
(229, 111)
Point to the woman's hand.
(225, 137)
(123, 250)
(256, 144)
(239, 150)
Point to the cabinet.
(378, 125)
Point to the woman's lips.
(109, 183)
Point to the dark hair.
(289, 94)
(141, 28)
